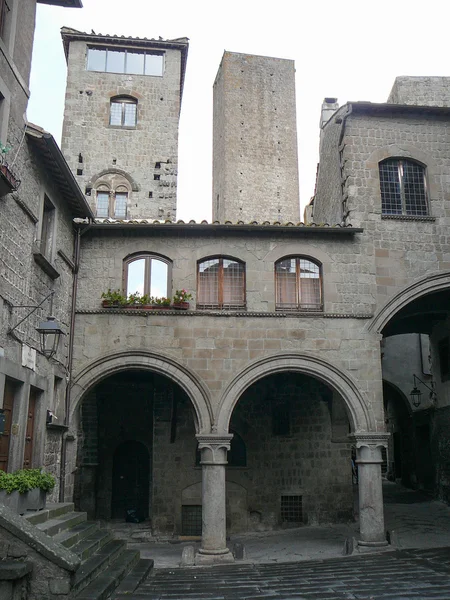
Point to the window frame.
(148, 257)
(112, 213)
(297, 306)
(221, 305)
(123, 101)
(142, 51)
(406, 204)
(47, 229)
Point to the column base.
(381, 544)
(207, 557)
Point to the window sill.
(298, 309)
(45, 265)
(218, 307)
(126, 127)
(408, 218)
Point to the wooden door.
(28, 453)
(8, 404)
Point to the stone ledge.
(37, 540)
(11, 570)
(204, 313)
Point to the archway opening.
(415, 354)
(136, 449)
(298, 455)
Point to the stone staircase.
(107, 565)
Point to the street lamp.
(416, 395)
(50, 331)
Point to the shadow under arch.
(143, 360)
(426, 285)
(362, 419)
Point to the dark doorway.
(130, 481)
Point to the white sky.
(351, 50)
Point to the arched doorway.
(130, 481)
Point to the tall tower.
(255, 161)
(120, 132)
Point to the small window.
(103, 204)
(147, 274)
(221, 284)
(191, 520)
(112, 204)
(403, 188)
(123, 112)
(291, 509)
(298, 282)
(47, 229)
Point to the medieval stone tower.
(120, 133)
(255, 163)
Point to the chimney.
(329, 107)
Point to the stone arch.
(113, 171)
(427, 285)
(144, 360)
(361, 417)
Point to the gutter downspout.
(344, 118)
(62, 472)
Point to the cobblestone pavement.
(393, 575)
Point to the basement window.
(191, 520)
(291, 509)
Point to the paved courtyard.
(308, 563)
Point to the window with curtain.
(298, 282)
(147, 274)
(220, 284)
(403, 188)
(123, 111)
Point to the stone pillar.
(213, 450)
(371, 513)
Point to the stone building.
(39, 200)
(243, 412)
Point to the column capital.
(214, 448)
(370, 439)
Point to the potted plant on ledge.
(8, 181)
(25, 490)
(113, 299)
(181, 299)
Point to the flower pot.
(34, 499)
(109, 304)
(180, 305)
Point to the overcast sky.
(351, 50)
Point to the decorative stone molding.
(214, 448)
(369, 447)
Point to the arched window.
(298, 284)
(112, 191)
(147, 274)
(220, 283)
(123, 111)
(403, 188)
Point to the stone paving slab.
(416, 574)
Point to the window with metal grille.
(291, 509)
(191, 520)
(221, 284)
(403, 188)
(147, 274)
(123, 112)
(298, 284)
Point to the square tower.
(121, 117)
(255, 159)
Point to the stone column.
(371, 513)
(213, 450)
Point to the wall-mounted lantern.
(50, 331)
(416, 395)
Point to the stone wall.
(132, 151)
(255, 163)
(422, 91)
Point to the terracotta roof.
(218, 226)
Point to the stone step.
(65, 521)
(51, 511)
(97, 563)
(103, 585)
(136, 576)
(91, 543)
(72, 536)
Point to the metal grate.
(221, 284)
(191, 520)
(403, 188)
(298, 285)
(291, 509)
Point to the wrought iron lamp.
(50, 331)
(416, 395)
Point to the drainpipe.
(62, 472)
